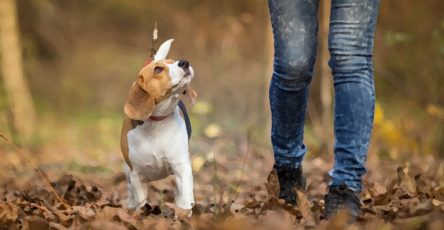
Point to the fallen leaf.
(213, 130)
(406, 183)
(35, 223)
(84, 212)
(272, 184)
(197, 163)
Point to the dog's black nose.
(184, 64)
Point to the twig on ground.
(36, 169)
(243, 164)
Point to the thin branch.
(154, 40)
(244, 163)
(36, 169)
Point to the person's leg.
(351, 39)
(295, 27)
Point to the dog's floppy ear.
(139, 104)
(163, 50)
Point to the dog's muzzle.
(185, 65)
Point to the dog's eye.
(158, 69)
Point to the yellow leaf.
(210, 156)
(406, 183)
(390, 132)
(379, 114)
(202, 108)
(213, 130)
(435, 111)
(197, 163)
(436, 202)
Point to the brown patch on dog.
(139, 104)
(128, 124)
(152, 84)
(155, 79)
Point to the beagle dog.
(154, 139)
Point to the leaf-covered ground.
(232, 192)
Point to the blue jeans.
(351, 38)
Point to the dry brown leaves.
(406, 203)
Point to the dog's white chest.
(156, 150)
(155, 145)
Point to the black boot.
(341, 197)
(289, 179)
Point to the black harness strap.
(185, 117)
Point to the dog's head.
(156, 81)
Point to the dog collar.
(185, 116)
(158, 118)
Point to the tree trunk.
(325, 74)
(16, 88)
(269, 57)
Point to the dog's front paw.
(182, 213)
(179, 212)
(186, 205)
(131, 204)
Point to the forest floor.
(231, 190)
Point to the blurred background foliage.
(80, 58)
